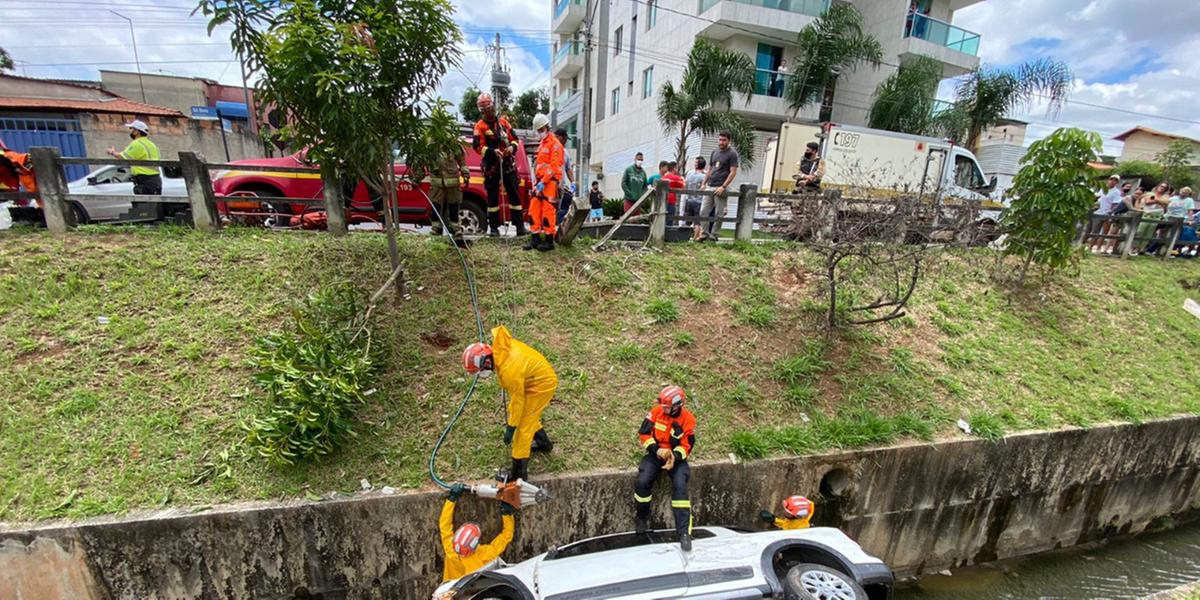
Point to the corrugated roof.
(1121, 137)
(108, 105)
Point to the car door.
(109, 181)
(637, 573)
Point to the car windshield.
(623, 540)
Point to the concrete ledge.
(922, 508)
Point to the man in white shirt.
(1108, 202)
(1112, 197)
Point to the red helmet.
(671, 399)
(798, 507)
(466, 539)
(477, 357)
(485, 101)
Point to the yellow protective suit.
(788, 524)
(530, 382)
(461, 566)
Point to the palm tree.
(833, 44)
(701, 103)
(988, 94)
(904, 102)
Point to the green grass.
(145, 411)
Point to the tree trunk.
(1025, 269)
(831, 272)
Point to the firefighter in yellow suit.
(464, 554)
(797, 512)
(530, 382)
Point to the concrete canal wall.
(921, 508)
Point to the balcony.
(568, 14)
(779, 18)
(568, 60)
(956, 48)
(566, 105)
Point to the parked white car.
(808, 564)
(115, 181)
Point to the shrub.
(613, 208)
(315, 376)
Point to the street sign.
(208, 113)
(227, 125)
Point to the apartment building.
(637, 45)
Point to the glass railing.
(562, 5)
(942, 33)
(812, 8)
(567, 48)
(564, 98)
(770, 83)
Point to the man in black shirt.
(722, 169)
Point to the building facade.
(1000, 150)
(1143, 143)
(637, 45)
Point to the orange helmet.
(477, 357)
(671, 399)
(485, 101)
(466, 539)
(798, 507)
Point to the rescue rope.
(470, 277)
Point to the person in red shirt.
(675, 182)
(668, 434)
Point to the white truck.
(860, 160)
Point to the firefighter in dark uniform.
(668, 434)
(496, 143)
(449, 175)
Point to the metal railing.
(568, 48)
(812, 8)
(564, 99)
(768, 82)
(941, 33)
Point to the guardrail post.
(1172, 237)
(52, 188)
(1133, 220)
(658, 215)
(200, 192)
(335, 215)
(743, 230)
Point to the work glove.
(571, 186)
(507, 509)
(456, 491)
(509, 430)
(539, 187)
(767, 516)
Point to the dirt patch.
(438, 339)
(791, 281)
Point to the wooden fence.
(201, 201)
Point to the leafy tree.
(1177, 160)
(1052, 193)
(700, 103)
(6, 61)
(528, 104)
(833, 44)
(468, 107)
(1139, 168)
(988, 94)
(904, 102)
(357, 78)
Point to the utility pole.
(585, 132)
(137, 61)
(501, 78)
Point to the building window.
(617, 40)
(616, 100)
(651, 13)
(648, 82)
(769, 76)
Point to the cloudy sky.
(1138, 57)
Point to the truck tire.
(472, 216)
(808, 581)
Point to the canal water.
(1131, 568)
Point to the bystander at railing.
(1129, 234)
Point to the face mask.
(637, 163)
(132, 135)
(542, 135)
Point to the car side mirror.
(92, 181)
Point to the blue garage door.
(64, 134)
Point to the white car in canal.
(111, 180)
(820, 563)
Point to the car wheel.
(808, 581)
(78, 215)
(472, 218)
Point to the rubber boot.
(520, 469)
(541, 442)
(520, 225)
(532, 242)
(685, 543)
(640, 525)
(547, 243)
(493, 224)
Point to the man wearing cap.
(146, 180)
(810, 169)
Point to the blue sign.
(204, 112)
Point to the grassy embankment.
(103, 418)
